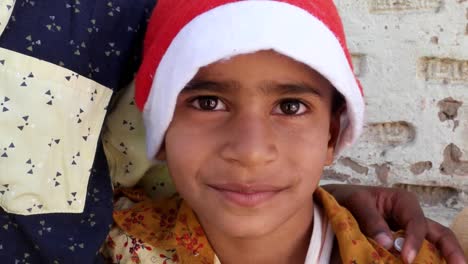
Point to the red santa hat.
(185, 35)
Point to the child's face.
(248, 142)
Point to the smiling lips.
(246, 195)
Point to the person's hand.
(377, 209)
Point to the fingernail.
(411, 256)
(384, 240)
(398, 244)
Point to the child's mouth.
(246, 195)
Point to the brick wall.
(412, 59)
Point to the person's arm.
(378, 208)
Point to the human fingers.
(363, 206)
(407, 214)
(444, 239)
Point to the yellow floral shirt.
(167, 231)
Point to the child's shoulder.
(155, 231)
(354, 246)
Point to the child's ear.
(334, 133)
(161, 155)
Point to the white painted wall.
(412, 59)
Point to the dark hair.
(338, 101)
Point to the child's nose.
(250, 142)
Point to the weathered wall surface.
(412, 59)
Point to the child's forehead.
(265, 88)
(270, 71)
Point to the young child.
(246, 101)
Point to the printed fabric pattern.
(167, 231)
(61, 60)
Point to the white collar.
(321, 241)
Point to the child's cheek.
(188, 144)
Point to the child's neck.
(287, 244)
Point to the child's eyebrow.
(267, 88)
(290, 89)
(210, 86)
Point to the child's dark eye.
(208, 103)
(290, 107)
